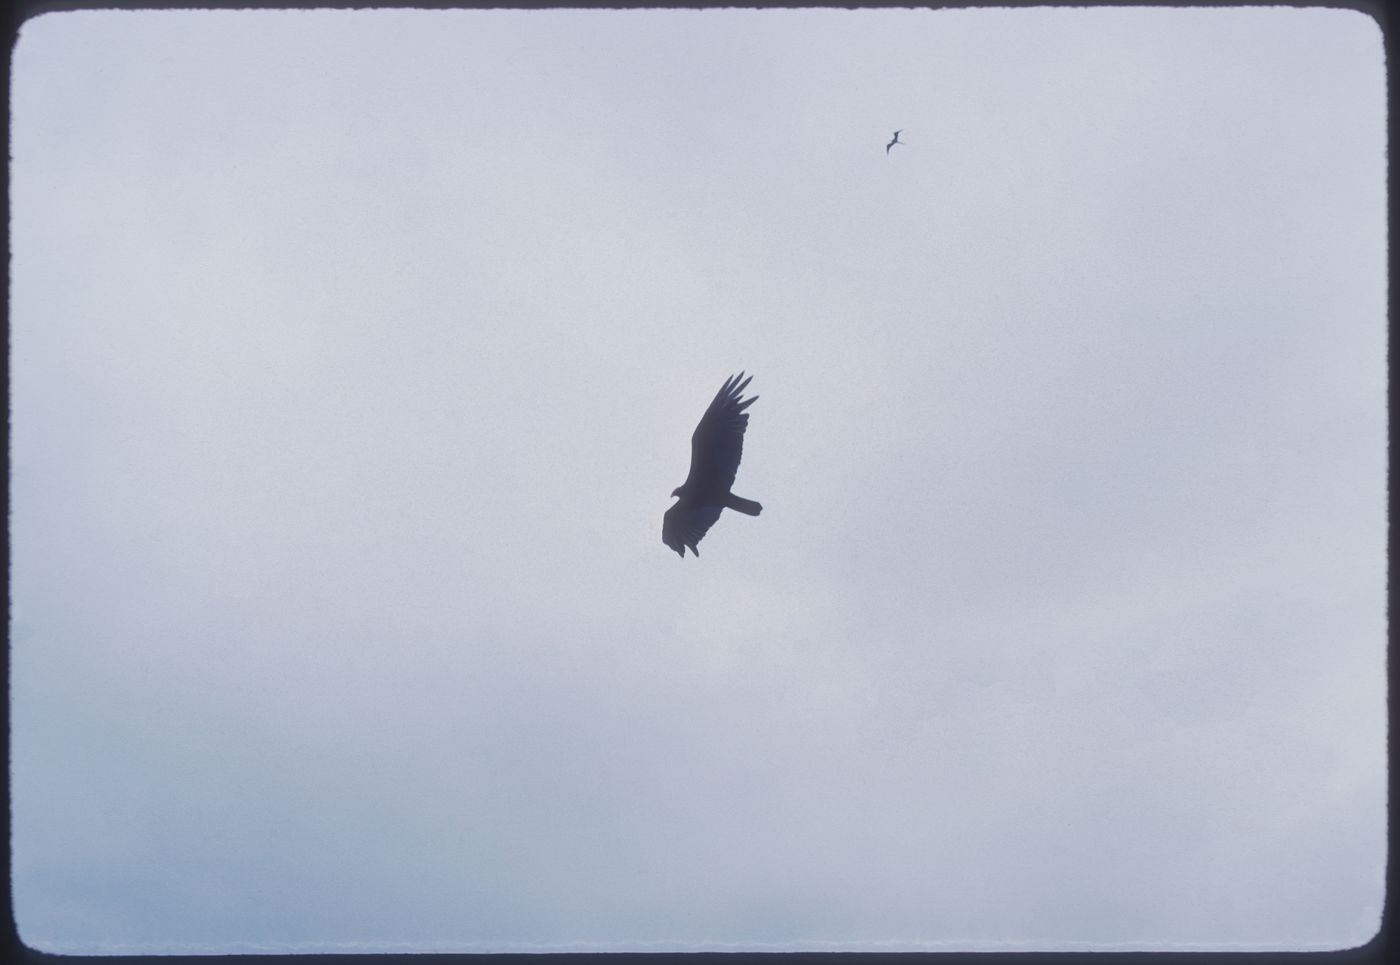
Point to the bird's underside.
(716, 447)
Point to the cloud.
(344, 411)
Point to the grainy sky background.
(354, 355)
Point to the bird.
(715, 449)
(893, 141)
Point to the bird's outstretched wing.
(717, 444)
(685, 525)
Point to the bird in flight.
(893, 141)
(715, 449)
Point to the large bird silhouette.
(715, 449)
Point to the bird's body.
(893, 141)
(716, 447)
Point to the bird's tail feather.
(746, 506)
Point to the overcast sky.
(354, 355)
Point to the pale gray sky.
(354, 355)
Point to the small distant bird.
(715, 449)
(893, 141)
